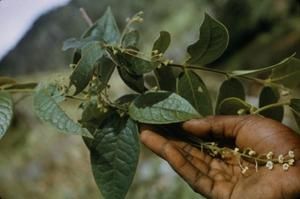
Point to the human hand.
(217, 178)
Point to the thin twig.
(86, 17)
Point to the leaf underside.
(46, 99)
(6, 112)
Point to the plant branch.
(86, 17)
(271, 106)
(19, 90)
(195, 67)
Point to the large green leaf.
(287, 73)
(114, 155)
(233, 106)
(161, 108)
(6, 112)
(230, 88)
(192, 88)
(135, 82)
(267, 69)
(295, 106)
(212, 42)
(83, 72)
(106, 28)
(46, 99)
(76, 43)
(162, 43)
(270, 95)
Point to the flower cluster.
(268, 160)
(285, 160)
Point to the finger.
(194, 152)
(219, 126)
(168, 151)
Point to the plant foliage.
(110, 127)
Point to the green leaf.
(83, 72)
(230, 88)
(131, 62)
(46, 99)
(6, 81)
(125, 99)
(212, 42)
(135, 82)
(270, 95)
(287, 73)
(137, 65)
(234, 106)
(162, 43)
(105, 29)
(295, 107)
(92, 116)
(114, 156)
(105, 68)
(131, 39)
(75, 43)
(166, 78)
(6, 112)
(192, 88)
(161, 108)
(260, 70)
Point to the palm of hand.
(216, 178)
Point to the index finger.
(218, 126)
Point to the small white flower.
(285, 166)
(291, 162)
(291, 154)
(251, 152)
(244, 170)
(280, 159)
(269, 165)
(270, 155)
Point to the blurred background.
(36, 161)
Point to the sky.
(17, 16)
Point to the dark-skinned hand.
(218, 179)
